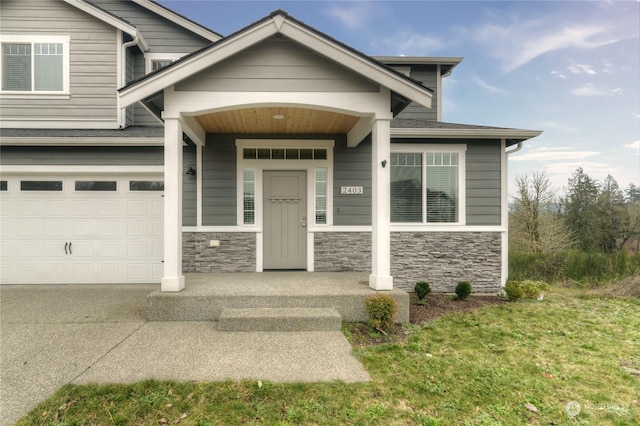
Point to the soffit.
(261, 120)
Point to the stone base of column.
(377, 282)
(172, 284)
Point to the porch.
(282, 299)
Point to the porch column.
(380, 278)
(173, 280)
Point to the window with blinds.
(425, 187)
(33, 67)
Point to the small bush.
(513, 290)
(463, 290)
(381, 310)
(527, 289)
(422, 289)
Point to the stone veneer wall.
(342, 251)
(444, 258)
(236, 252)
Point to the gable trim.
(277, 23)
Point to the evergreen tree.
(580, 212)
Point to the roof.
(130, 136)
(447, 63)
(278, 22)
(406, 128)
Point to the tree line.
(592, 216)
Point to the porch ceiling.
(261, 120)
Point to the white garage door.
(70, 229)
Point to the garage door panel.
(110, 237)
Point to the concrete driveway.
(51, 335)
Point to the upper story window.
(34, 64)
(427, 184)
(156, 61)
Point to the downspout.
(516, 149)
(125, 46)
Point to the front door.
(285, 220)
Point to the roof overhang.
(446, 63)
(110, 19)
(512, 136)
(277, 23)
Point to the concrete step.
(279, 319)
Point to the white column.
(173, 279)
(380, 278)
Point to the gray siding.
(277, 64)
(140, 116)
(484, 198)
(219, 181)
(189, 188)
(428, 75)
(162, 36)
(93, 78)
(352, 167)
(81, 156)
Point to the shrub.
(422, 289)
(513, 290)
(463, 290)
(381, 310)
(528, 289)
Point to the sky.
(568, 68)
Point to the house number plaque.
(351, 190)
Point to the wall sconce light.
(191, 171)
(384, 163)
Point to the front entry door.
(285, 220)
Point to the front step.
(279, 319)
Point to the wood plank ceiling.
(277, 120)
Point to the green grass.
(473, 368)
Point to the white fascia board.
(104, 17)
(180, 20)
(465, 133)
(357, 63)
(191, 66)
(83, 141)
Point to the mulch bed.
(437, 305)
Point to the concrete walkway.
(54, 335)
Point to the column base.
(172, 284)
(378, 282)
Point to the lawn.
(507, 364)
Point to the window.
(41, 185)
(157, 61)
(321, 196)
(146, 185)
(34, 64)
(3, 185)
(249, 203)
(427, 187)
(157, 64)
(95, 185)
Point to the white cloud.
(581, 69)
(634, 146)
(558, 74)
(412, 43)
(493, 89)
(557, 126)
(591, 90)
(551, 154)
(354, 17)
(522, 41)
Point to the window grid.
(249, 190)
(33, 67)
(321, 196)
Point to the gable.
(277, 64)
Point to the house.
(138, 146)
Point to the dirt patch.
(437, 305)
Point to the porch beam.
(380, 278)
(359, 131)
(172, 279)
(192, 128)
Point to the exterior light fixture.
(278, 117)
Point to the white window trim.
(425, 149)
(23, 94)
(260, 166)
(150, 57)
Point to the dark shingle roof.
(403, 123)
(129, 132)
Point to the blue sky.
(569, 68)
